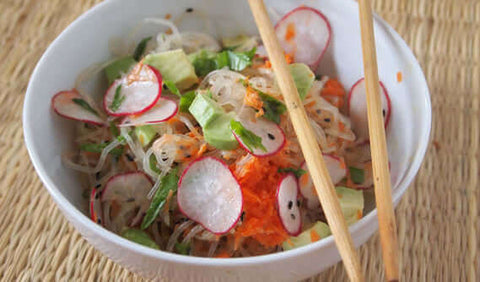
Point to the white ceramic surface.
(85, 42)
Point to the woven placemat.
(437, 218)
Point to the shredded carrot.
(359, 214)
(290, 242)
(289, 58)
(223, 255)
(168, 16)
(259, 180)
(333, 92)
(399, 76)
(290, 32)
(168, 31)
(202, 150)
(268, 64)
(310, 104)
(314, 237)
(253, 100)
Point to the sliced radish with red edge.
(209, 194)
(336, 169)
(95, 206)
(68, 104)
(126, 195)
(163, 110)
(136, 92)
(288, 204)
(357, 108)
(304, 33)
(273, 138)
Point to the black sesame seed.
(99, 221)
(165, 159)
(242, 216)
(383, 112)
(98, 185)
(182, 147)
(271, 136)
(326, 120)
(188, 156)
(298, 203)
(97, 195)
(292, 216)
(165, 87)
(318, 111)
(97, 175)
(290, 205)
(189, 10)
(129, 200)
(129, 157)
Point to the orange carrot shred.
(314, 237)
(290, 33)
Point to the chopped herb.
(117, 99)
(140, 49)
(357, 175)
(250, 139)
(168, 182)
(140, 237)
(171, 86)
(205, 61)
(182, 248)
(153, 164)
(114, 129)
(98, 148)
(186, 100)
(297, 171)
(273, 108)
(82, 103)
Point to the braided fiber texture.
(437, 217)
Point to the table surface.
(437, 218)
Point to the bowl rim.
(68, 208)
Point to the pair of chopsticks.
(313, 156)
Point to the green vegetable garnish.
(297, 171)
(357, 175)
(145, 134)
(98, 148)
(205, 61)
(171, 86)
(82, 103)
(114, 129)
(168, 183)
(153, 164)
(250, 139)
(140, 237)
(272, 107)
(186, 100)
(140, 49)
(182, 248)
(117, 99)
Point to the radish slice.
(336, 169)
(304, 33)
(95, 206)
(163, 110)
(273, 138)
(124, 199)
(357, 108)
(68, 105)
(288, 206)
(209, 194)
(137, 92)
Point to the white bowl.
(85, 42)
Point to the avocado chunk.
(174, 66)
(214, 122)
(219, 134)
(351, 203)
(318, 231)
(119, 67)
(303, 77)
(145, 134)
(205, 110)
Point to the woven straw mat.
(437, 218)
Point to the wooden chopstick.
(378, 145)
(308, 143)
